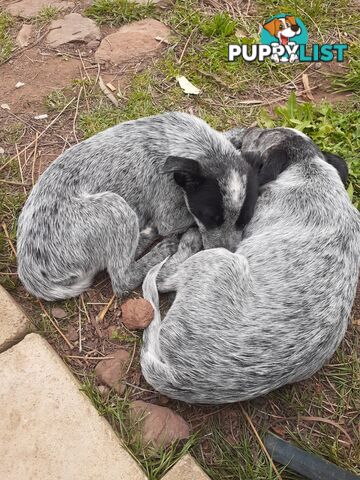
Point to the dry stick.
(41, 134)
(82, 63)
(76, 114)
(102, 314)
(81, 357)
(8, 238)
(260, 442)
(131, 360)
(85, 309)
(185, 46)
(55, 326)
(80, 332)
(18, 184)
(34, 160)
(20, 168)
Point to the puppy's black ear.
(187, 172)
(255, 160)
(275, 161)
(339, 164)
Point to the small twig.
(82, 63)
(82, 357)
(185, 46)
(264, 449)
(55, 326)
(85, 309)
(102, 314)
(8, 238)
(80, 332)
(18, 184)
(20, 168)
(76, 114)
(131, 360)
(34, 160)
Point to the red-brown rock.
(112, 371)
(158, 426)
(137, 313)
(133, 40)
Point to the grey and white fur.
(272, 313)
(103, 201)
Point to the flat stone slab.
(14, 324)
(186, 469)
(132, 41)
(49, 429)
(72, 28)
(23, 37)
(30, 8)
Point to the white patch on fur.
(234, 188)
(146, 231)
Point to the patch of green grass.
(231, 458)
(332, 128)
(46, 14)
(56, 100)
(117, 12)
(220, 25)
(116, 410)
(350, 82)
(6, 41)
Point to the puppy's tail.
(151, 294)
(155, 371)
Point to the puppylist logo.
(284, 38)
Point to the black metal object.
(309, 465)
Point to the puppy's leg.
(190, 243)
(146, 238)
(136, 271)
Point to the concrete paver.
(48, 428)
(13, 322)
(186, 469)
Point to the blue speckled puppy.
(245, 323)
(103, 201)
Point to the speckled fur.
(245, 323)
(104, 200)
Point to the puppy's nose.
(295, 28)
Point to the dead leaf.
(162, 40)
(187, 86)
(111, 87)
(107, 92)
(307, 89)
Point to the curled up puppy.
(105, 200)
(273, 312)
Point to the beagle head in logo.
(283, 28)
